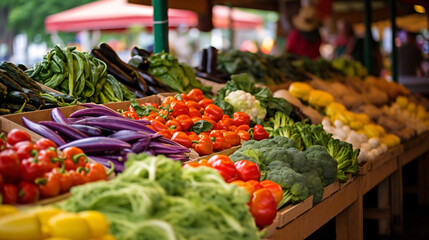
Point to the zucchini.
(4, 111)
(49, 105)
(15, 107)
(3, 91)
(16, 97)
(20, 77)
(65, 97)
(9, 82)
(35, 98)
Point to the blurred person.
(345, 40)
(304, 38)
(410, 57)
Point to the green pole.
(394, 58)
(160, 25)
(368, 36)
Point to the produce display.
(105, 135)
(155, 198)
(79, 75)
(31, 171)
(19, 93)
(188, 165)
(52, 223)
(194, 122)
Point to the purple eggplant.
(95, 112)
(74, 120)
(97, 144)
(57, 116)
(119, 166)
(93, 105)
(43, 131)
(88, 130)
(130, 136)
(161, 148)
(116, 124)
(64, 129)
(141, 145)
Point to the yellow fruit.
(380, 130)
(69, 225)
(108, 237)
(340, 115)
(356, 125)
(7, 210)
(412, 107)
(362, 117)
(320, 98)
(334, 107)
(44, 214)
(97, 222)
(402, 102)
(300, 90)
(370, 131)
(20, 226)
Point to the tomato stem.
(76, 157)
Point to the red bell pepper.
(205, 102)
(218, 140)
(241, 118)
(193, 104)
(244, 135)
(204, 145)
(225, 124)
(195, 95)
(93, 171)
(28, 192)
(9, 193)
(182, 139)
(214, 112)
(232, 138)
(263, 207)
(10, 167)
(66, 180)
(247, 170)
(193, 112)
(157, 125)
(224, 166)
(274, 188)
(45, 143)
(15, 136)
(185, 122)
(260, 133)
(179, 108)
(49, 185)
(31, 169)
(74, 158)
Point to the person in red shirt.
(304, 39)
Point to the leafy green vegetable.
(155, 198)
(300, 174)
(201, 126)
(265, 97)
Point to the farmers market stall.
(159, 142)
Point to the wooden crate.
(269, 231)
(364, 168)
(330, 189)
(289, 213)
(415, 147)
(349, 180)
(380, 160)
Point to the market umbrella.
(112, 14)
(119, 14)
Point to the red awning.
(119, 14)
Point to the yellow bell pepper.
(356, 125)
(97, 223)
(402, 102)
(20, 226)
(370, 131)
(334, 107)
(44, 214)
(380, 130)
(300, 90)
(362, 117)
(69, 225)
(390, 140)
(7, 210)
(320, 98)
(340, 115)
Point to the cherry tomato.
(28, 192)
(224, 166)
(182, 139)
(214, 112)
(241, 118)
(195, 95)
(9, 192)
(247, 170)
(15, 136)
(45, 143)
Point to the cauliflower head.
(242, 101)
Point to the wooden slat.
(376, 213)
(373, 178)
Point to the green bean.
(56, 80)
(81, 85)
(80, 65)
(54, 67)
(69, 58)
(61, 64)
(89, 89)
(59, 53)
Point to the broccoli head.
(323, 162)
(299, 191)
(278, 153)
(298, 161)
(314, 185)
(284, 142)
(278, 164)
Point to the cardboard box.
(289, 213)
